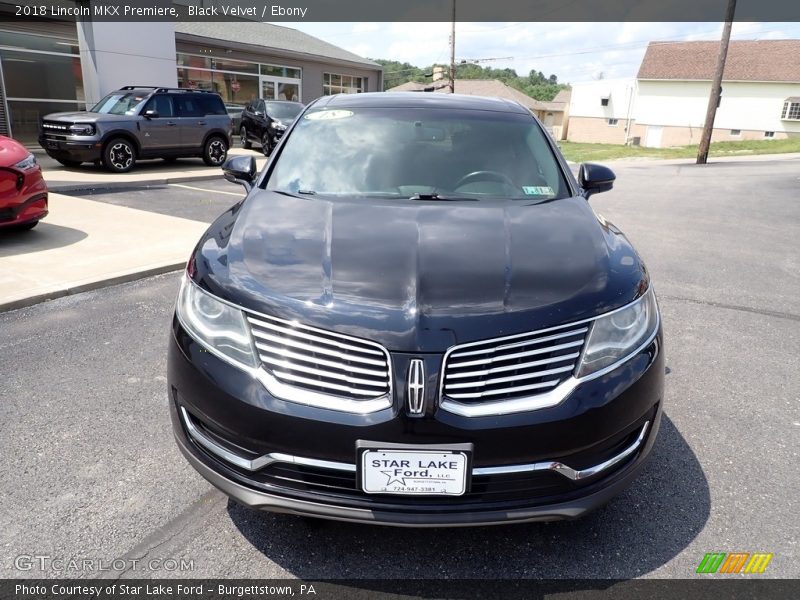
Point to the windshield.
(283, 110)
(119, 103)
(419, 153)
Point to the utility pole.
(716, 86)
(453, 51)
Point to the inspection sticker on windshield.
(327, 115)
(435, 473)
(537, 190)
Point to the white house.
(760, 95)
(601, 111)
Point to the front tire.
(215, 151)
(119, 155)
(246, 144)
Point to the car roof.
(420, 100)
(143, 90)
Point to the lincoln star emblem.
(415, 389)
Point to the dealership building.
(62, 66)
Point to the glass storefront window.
(197, 62)
(226, 64)
(195, 79)
(33, 75)
(280, 71)
(25, 117)
(289, 91)
(237, 81)
(30, 41)
(342, 84)
(236, 89)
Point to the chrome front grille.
(512, 367)
(320, 361)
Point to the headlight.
(82, 129)
(619, 334)
(219, 327)
(276, 125)
(26, 163)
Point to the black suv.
(141, 122)
(416, 318)
(264, 121)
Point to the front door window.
(289, 91)
(277, 88)
(267, 89)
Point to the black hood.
(419, 275)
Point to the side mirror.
(594, 178)
(241, 170)
(259, 113)
(151, 114)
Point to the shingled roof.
(267, 35)
(748, 60)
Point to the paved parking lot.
(90, 469)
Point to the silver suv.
(141, 122)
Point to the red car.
(23, 192)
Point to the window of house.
(603, 101)
(613, 122)
(736, 132)
(791, 109)
(342, 84)
(769, 134)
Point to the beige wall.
(592, 130)
(685, 136)
(751, 106)
(595, 130)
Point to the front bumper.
(28, 202)
(87, 149)
(599, 421)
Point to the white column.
(114, 54)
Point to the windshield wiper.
(443, 198)
(294, 195)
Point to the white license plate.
(431, 472)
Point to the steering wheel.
(485, 176)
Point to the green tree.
(536, 84)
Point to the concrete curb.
(93, 285)
(61, 187)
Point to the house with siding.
(668, 99)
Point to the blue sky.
(573, 51)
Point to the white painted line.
(189, 187)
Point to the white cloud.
(573, 51)
(366, 27)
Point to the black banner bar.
(399, 10)
(711, 588)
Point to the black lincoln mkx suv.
(415, 318)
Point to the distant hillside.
(535, 84)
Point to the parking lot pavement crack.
(161, 538)
(749, 309)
